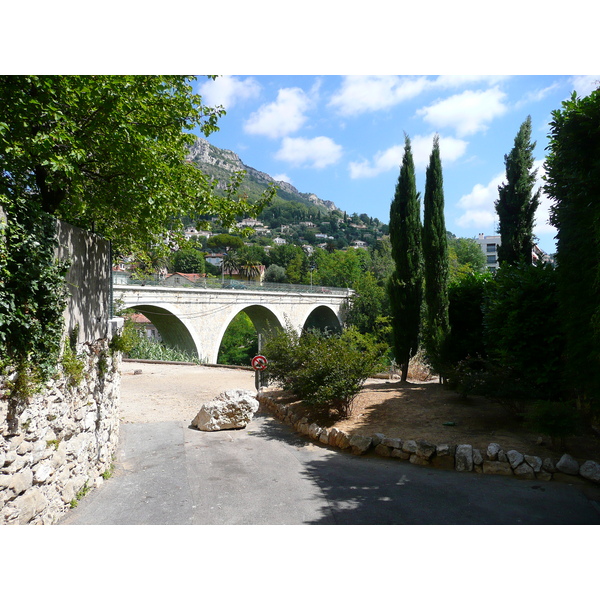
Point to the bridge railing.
(236, 284)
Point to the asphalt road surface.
(168, 473)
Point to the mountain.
(222, 163)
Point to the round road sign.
(259, 363)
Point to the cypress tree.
(435, 256)
(517, 204)
(405, 286)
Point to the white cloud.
(479, 210)
(282, 177)
(536, 95)
(383, 161)
(360, 94)
(450, 149)
(365, 93)
(454, 81)
(478, 205)
(227, 90)
(281, 117)
(585, 84)
(317, 152)
(468, 112)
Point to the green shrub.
(323, 370)
(557, 419)
(465, 314)
(72, 364)
(522, 329)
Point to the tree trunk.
(404, 372)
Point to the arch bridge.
(194, 319)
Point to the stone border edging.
(458, 457)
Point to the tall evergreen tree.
(517, 203)
(406, 283)
(435, 255)
(573, 181)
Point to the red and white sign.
(259, 363)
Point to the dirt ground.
(164, 392)
(428, 411)
(414, 410)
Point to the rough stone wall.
(64, 441)
(64, 437)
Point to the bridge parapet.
(238, 285)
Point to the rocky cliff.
(221, 163)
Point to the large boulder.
(232, 409)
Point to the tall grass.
(147, 349)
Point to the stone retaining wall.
(62, 442)
(459, 457)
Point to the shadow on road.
(360, 490)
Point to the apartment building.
(489, 246)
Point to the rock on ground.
(232, 409)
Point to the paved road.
(168, 473)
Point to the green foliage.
(340, 269)
(109, 152)
(405, 285)
(368, 309)
(188, 260)
(517, 203)
(573, 181)
(124, 341)
(557, 419)
(435, 256)
(32, 297)
(240, 342)
(464, 256)
(135, 345)
(276, 274)
(225, 241)
(465, 314)
(522, 328)
(73, 365)
(325, 371)
(108, 473)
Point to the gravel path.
(164, 392)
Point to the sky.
(342, 137)
(322, 96)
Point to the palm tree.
(230, 263)
(250, 269)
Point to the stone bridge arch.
(195, 318)
(173, 328)
(263, 319)
(323, 318)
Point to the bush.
(522, 328)
(276, 274)
(465, 315)
(322, 369)
(555, 419)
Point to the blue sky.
(336, 136)
(342, 138)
